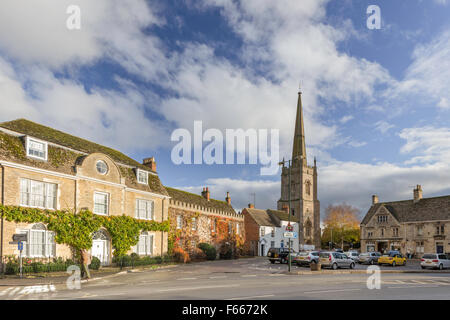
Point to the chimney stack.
(251, 205)
(417, 193)
(228, 199)
(150, 162)
(205, 193)
(285, 208)
(374, 199)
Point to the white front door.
(99, 250)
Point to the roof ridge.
(197, 195)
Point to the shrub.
(180, 255)
(95, 263)
(198, 254)
(209, 250)
(225, 252)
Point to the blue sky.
(377, 103)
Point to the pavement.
(244, 279)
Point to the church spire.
(299, 149)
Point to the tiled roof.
(282, 215)
(61, 160)
(263, 217)
(426, 209)
(187, 197)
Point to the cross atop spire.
(299, 149)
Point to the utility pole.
(289, 212)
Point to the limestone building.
(44, 168)
(416, 226)
(304, 204)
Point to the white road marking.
(186, 278)
(251, 297)
(198, 288)
(248, 275)
(416, 286)
(419, 282)
(400, 281)
(218, 277)
(14, 291)
(440, 282)
(330, 291)
(5, 291)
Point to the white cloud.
(346, 119)
(383, 126)
(111, 118)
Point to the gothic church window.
(308, 187)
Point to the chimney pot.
(205, 193)
(375, 199)
(251, 205)
(285, 208)
(417, 192)
(150, 162)
(228, 199)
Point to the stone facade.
(198, 218)
(77, 179)
(304, 203)
(417, 226)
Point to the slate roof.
(187, 197)
(61, 160)
(268, 218)
(427, 209)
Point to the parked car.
(353, 255)
(280, 255)
(435, 261)
(393, 258)
(335, 260)
(306, 257)
(369, 257)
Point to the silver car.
(335, 260)
(369, 257)
(353, 255)
(435, 261)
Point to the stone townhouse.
(418, 226)
(199, 218)
(48, 169)
(264, 229)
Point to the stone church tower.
(305, 206)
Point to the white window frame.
(194, 224)
(237, 228)
(138, 173)
(151, 212)
(149, 245)
(96, 168)
(179, 221)
(107, 203)
(44, 195)
(262, 232)
(49, 248)
(28, 140)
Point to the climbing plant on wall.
(75, 229)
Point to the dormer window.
(142, 176)
(36, 148)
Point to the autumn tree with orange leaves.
(341, 225)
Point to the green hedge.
(136, 260)
(36, 267)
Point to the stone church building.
(302, 202)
